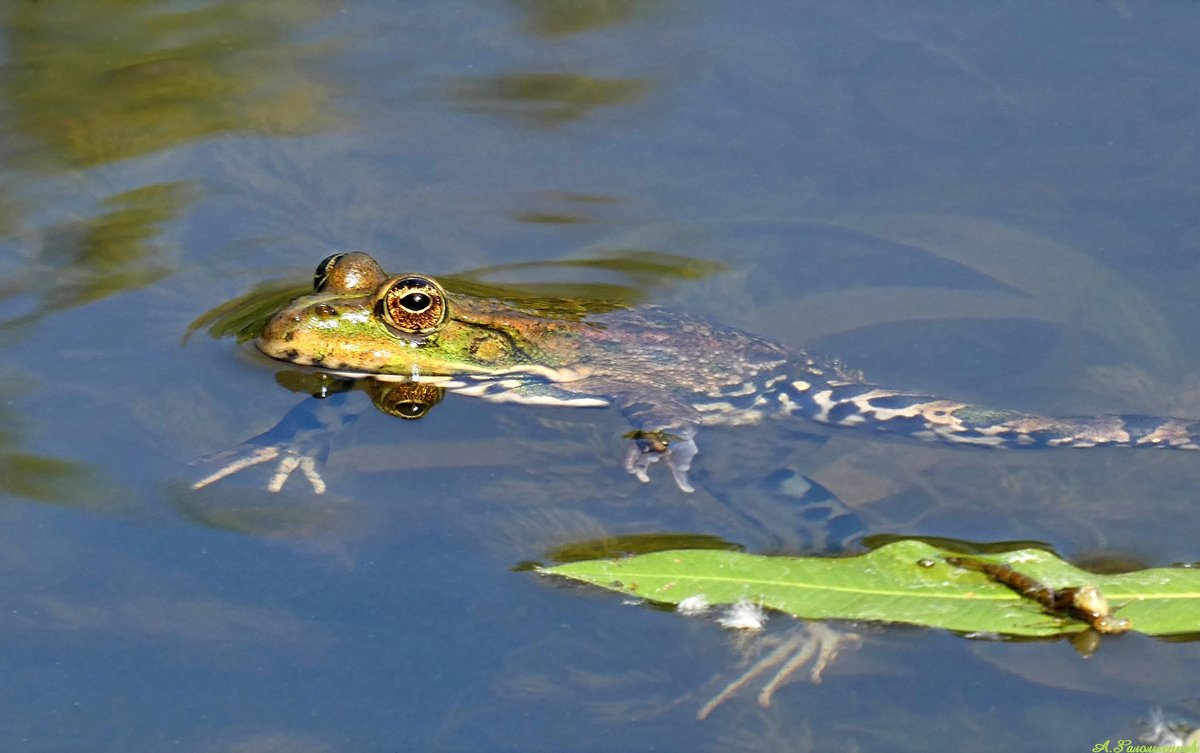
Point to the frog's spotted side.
(667, 371)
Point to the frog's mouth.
(297, 335)
(276, 338)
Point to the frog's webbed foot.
(813, 642)
(665, 430)
(664, 425)
(249, 455)
(649, 447)
(300, 441)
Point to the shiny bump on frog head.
(349, 272)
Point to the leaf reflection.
(95, 81)
(547, 99)
(82, 261)
(46, 479)
(613, 547)
(42, 478)
(554, 18)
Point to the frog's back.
(669, 349)
(667, 371)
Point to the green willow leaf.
(906, 581)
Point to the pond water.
(995, 202)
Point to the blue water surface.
(995, 202)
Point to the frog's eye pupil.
(411, 409)
(416, 302)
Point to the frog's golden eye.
(353, 272)
(412, 305)
(407, 400)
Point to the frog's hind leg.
(664, 429)
(797, 514)
(867, 406)
(828, 523)
(657, 435)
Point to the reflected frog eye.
(412, 305)
(353, 272)
(410, 410)
(407, 400)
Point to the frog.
(669, 372)
(409, 341)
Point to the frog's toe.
(307, 465)
(679, 459)
(249, 455)
(230, 462)
(815, 643)
(650, 447)
(638, 460)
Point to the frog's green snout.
(276, 337)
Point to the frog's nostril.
(323, 310)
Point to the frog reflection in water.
(668, 372)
